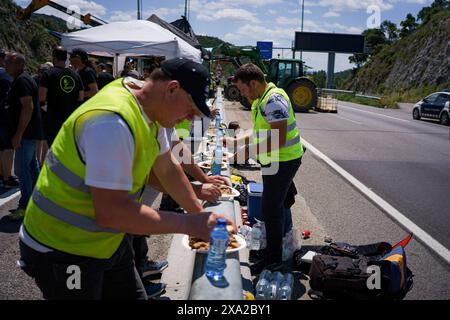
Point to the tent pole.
(116, 65)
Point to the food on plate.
(226, 190)
(199, 244)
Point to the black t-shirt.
(63, 88)
(5, 84)
(23, 86)
(88, 76)
(103, 79)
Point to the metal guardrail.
(231, 287)
(350, 92)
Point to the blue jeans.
(26, 169)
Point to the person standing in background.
(7, 180)
(61, 89)
(24, 119)
(79, 60)
(103, 76)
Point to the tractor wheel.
(303, 94)
(245, 103)
(232, 93)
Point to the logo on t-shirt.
(67, 84)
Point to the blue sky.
(243, 22)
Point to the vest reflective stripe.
(265, 134)
(71, 178)
(293, 148)
(292, 142)
(65, 174)
(67, 216)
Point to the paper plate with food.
(236, 242)
(226, 154)
(228, 192)
(207, 165)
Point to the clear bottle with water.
(218, 120)
(285, 291)
(216, 259)
(274, 285)
(262, 285)
(216, 167)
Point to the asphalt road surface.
(405, 161)
(342, 212)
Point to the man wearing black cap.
(79, 60)
(61, 89)
(87, 198)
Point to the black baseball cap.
(193, 78)
(80, 53)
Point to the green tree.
(375, 39)
(320, 78)
(409, 25)
(359, 59)
(426, 13)
(390, 30)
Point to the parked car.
(435, 106)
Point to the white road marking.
(377, 114)
(419, 233)
(8, 196)
(347, 119)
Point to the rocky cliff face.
(419, 60)
(30, 37)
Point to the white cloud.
(331, 14)
(340, 27)
(287, 21)
(411, 1)
(229, 14)
(85, 6)
(344, 5)
(122, 16)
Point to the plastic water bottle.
(215, 262)
(216, 167)
(285, 290)
(274, 285)
(262, 285)
(218, 120)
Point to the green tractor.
(285, 73)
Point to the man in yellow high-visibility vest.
(277, 147)
(74, 240)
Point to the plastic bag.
(291, 242)
(258, 236)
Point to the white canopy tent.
(130, 38)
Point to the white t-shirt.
(106, 145)
(276, 108)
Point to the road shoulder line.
(8, 196)
(419, 233)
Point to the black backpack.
(343, 271)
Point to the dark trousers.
(275, 190)
(140, 248)
(111, 279)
